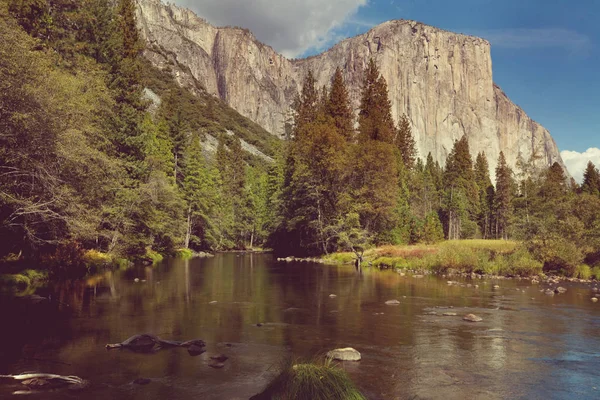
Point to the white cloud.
(571, 41)
(576, 162)
(290, 26)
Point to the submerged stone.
(392, 302)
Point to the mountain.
(441, 80)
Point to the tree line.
(86, 165)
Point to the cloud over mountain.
(576, 162)
(291, 27)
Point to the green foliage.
(184, 253)
(323, 381)
(583, 272)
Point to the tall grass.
(312, 381)
(491, 257)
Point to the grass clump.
(312, 381)
(340, 258)
(390, 262)
(184, 253)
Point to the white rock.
(345, 354)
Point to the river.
(262, 313)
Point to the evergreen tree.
(591, 180)
(406, 142)
(503, 201)
(486, 194)
(339, 106)
(461, 193)
(375, 117)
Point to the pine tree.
(339, 106)
(406, 142)
(461, 192)
(375, 116)
(486, 194)
(591, 180)
(503, 202)
(307, 104)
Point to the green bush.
(184, 253)
(583, 272)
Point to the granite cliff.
(441, 80)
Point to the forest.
(91, 173)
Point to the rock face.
(441, 80)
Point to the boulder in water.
(392, 302)
(560, 289)
(345, 354)
(472, 318)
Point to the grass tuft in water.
(311, 381)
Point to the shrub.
(583, 272)
(521, 262)
(596, 273)
(184, 253)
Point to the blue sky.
(545, 53)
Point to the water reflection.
(260, 312)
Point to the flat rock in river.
(472, 318)
(392, 302)
(345, 354)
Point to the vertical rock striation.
(441, 80)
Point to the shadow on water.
(259, 312)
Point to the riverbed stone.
(141, 381)
(594, 299)
(472, 318)
(392, 302)
(195, 350)
(549, 292)
(333, 296)
(219, 358)
(449, 314)
(345, 354)
(560, 289)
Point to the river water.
(529, 345)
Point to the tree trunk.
(188, 231)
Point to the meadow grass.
(491, 257)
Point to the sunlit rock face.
(441, 80)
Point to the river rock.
(333, 296)
(219, 358)
(449, 314)
(345, 354)
(392, 302)
(549, 292)
(141, 381)
(195, 350)
(496, 287)
(216, 365)
(472, 318)
(594, 299)
(560, 289)
(595, 289)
